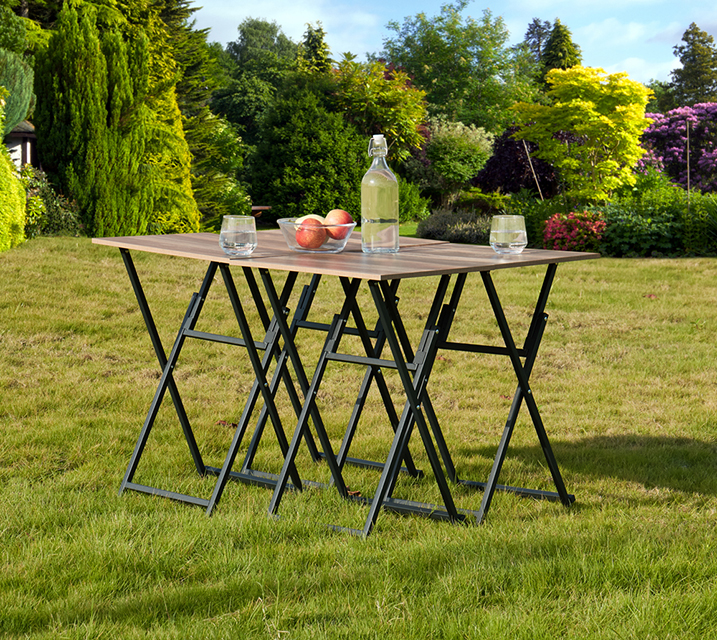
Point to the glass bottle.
(379, 202)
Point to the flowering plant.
(668, 140)
(574, 231)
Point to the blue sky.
(635, 36)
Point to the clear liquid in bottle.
(379, 203)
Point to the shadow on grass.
(679, 464)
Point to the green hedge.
(12, 204)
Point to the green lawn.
(626, 381)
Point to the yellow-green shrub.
(12, 197)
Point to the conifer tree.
(536, 36)
(560, 52)
(92, 124)
(696, 81)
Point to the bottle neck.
(379, 162)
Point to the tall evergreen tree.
(313, 53)
(216, 153)
(696, 81)
(560, 52)
(536, 36)
(91, 123)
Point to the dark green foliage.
(536, 213)
(256, 64)
(467, 227)
(663, 99)
(696, 80)
(536, 36)
(48, 213)
(411, 205)
(307, 160)
(12, 31)
(216, 150)
(18, 78)
(560, 51)
(635, 232)
(509, 169)
(92, 123)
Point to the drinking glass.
(238, 235)
(507, 234)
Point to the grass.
(626, 382)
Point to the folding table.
(417, 258)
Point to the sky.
(634, 36)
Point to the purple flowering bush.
(575, 231)
(666, 143)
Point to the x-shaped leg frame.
(261, 386)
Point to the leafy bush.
(307, 160)
(466, 227)
(48, 213)
(411, 206)
(579, 231)
(12, 197)
(509, 169)
(536, 213)
(485, 203)
(666, 138)
(451, 156)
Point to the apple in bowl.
(315, 234)
(311, 233)
(338, 217)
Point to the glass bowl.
(312, 236)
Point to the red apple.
(310, 234)
(338, 216)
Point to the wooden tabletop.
(416, 257)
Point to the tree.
(663, 97)
(606, 116)
(376, 99)
(696, 81)
(91, 123)
(216, 153)
(16, 75)
(560, 52)
(313, 53)
(307, 159)
(18, 78)
(452, 155)
(536, 36)
(256, 64)
(464, 65)
(512, 169)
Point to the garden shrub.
(485, 203)
(576, 231)
(307, 160)
(467, 227)
(12, 195)
(412, 207)
(536, 213)
(666, 139)
(509, 170)
(48, 213)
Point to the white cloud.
(643, 71)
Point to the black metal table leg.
(331, 345)
(166, 381)
(524, 391)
